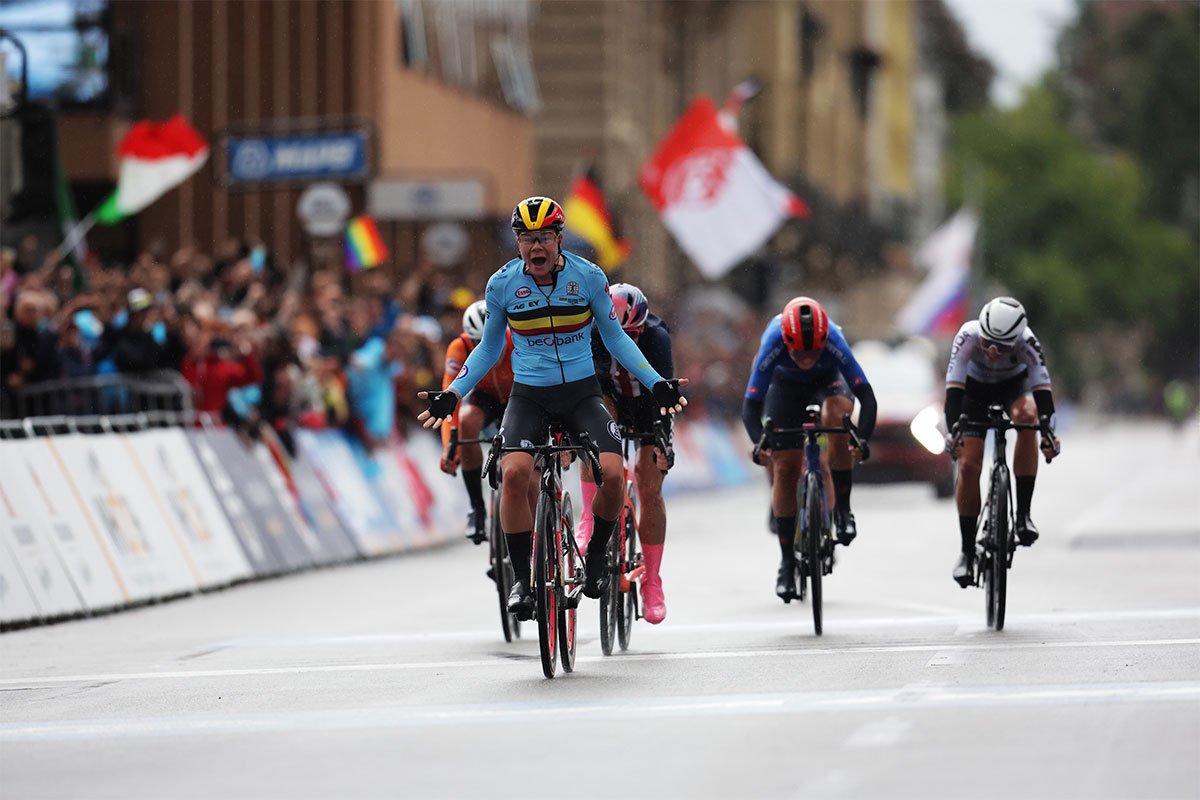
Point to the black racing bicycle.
(619, 603)
(995, 542)
(813, 543)
(500, 567)
(557, 568)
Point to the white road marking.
(505, 662)
(905, 699)
(965, 623)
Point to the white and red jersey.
(967, 360)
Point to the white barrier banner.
(164, 458)
(450, 504)
(16, 603)
(31, 550)
(37, 490)
(363, 513)
(278, 484)
(147, 554)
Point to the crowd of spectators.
(260, 345)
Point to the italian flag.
(155, 157)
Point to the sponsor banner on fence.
(263, 558)
(35, 489)
(317, 507)
(16, 603)
(28, 547)
(169, 465)
(252, 486)
(424, 451)
(361, 510)
(147, 555)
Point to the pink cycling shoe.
(654, 606)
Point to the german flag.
(588, 217)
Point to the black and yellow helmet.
(537, 214)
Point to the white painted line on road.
(702, 655)
(906, 699)
(966, 623)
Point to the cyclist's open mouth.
(537, 261)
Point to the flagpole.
(75, 234)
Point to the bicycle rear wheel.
(813, 535)
(628, 561)
(609, 600)
(566, 569)
(503, 571)
(1001, 533)
(545, 561)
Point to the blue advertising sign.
(266, 159)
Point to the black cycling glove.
(442, 404)
(666, 393)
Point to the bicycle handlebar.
(847, 427)
(658, 434)
(1004, 423)
(586, 447)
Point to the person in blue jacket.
(551, 299)
(803, 359)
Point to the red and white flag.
(712, 193)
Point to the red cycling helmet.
(805, 325)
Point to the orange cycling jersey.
(498, 382)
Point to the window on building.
(66, 49)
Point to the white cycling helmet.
(1002, 320)
(473, 319)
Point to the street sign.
(341, 155)
(323, 209)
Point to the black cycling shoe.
(595, 572)
(964, 570)
(843, 522)
(520, 601)
(477, 525)
(785, 581)
(1027, 532)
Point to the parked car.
(909, 439)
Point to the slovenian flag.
(588, 217)
(939, 305)
(155, 157)
(364, 246)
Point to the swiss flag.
(712, 193)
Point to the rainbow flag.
(364, 246)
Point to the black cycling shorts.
(640, 413)
(977, 396)
(577, 405)
(786, 401)
(493, 409)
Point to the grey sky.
(1018, 37)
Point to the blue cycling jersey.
(773, 361)
(551, 327)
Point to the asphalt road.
(391, 678)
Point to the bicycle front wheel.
(609, 600)
(628, 560)
(812, 535)
(1001, 532)
(566, 569)
(545, 567)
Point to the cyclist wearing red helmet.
(803, 359)
(551, 299)
(632, 405)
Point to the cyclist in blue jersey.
(550, 299)
(803, 359)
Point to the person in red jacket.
(217, 364)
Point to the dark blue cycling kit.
(551, 327)
(655, 344)
(836, 362)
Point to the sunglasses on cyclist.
(542, 237)
(995, 348)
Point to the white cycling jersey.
(967, 360)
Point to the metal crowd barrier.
(159, 394)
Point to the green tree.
(1066, 230)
